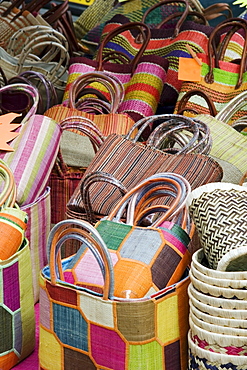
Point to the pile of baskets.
(218, 317)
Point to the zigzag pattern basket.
(219, 211)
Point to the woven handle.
(143, 30)
(190, 135)
(113, 86)
(90, 180)
(161, 180)
(209, 78)
(234, 105)
(165, 2)
(30, 90)
(8, 192)
(89, 235)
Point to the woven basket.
(232, 304)
(234, 260)
(218, 312)
(198, 262)
(219, 211)
(219, 343)
(218, 291)
(223, 283)
(218, 321)
(202, 359)
(217, 328)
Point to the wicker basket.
(202, 359)
(231, 304)
(219, 211)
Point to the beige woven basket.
(198, 262)
(232, 304)
(211, 360)
(218, 312)
(220, 343)
(218, 328)
(219, 211)
(218, 291)
(234, 260)
(221, 321)
(223, 283)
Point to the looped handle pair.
(139, 199)
(142, 28)
(88, 181)
(86, 234)
(9, 191)
(28, 90)
(235, 23)
(110, 83)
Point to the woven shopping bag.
(17, 324)
(129, 161)
(141, 268)
(107, 119)
(34, 149)
(128, 333)
(220, 80)
(143, 77)
(167, 40)
(67, 173)
(228, 145)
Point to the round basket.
(224, 283)
(217, 328)
(220, 343)
(218, 312)
(221, 321)
(202, 359)
(216, 291)
(198, 259)
(234, 260)
(219, 212)
(232, 304)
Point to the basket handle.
(181, 108)
(88, 181)
(114, 87)
(180, 21)
(179, 14)
(9, 191)
(91, 237)
(141, 27)
(237, 103)
(174, 130)
(216, 10)
(209, 78)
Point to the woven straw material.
(234, 260)
(229, 145)
(199, 262)
(238, 324)
(38, 228)
(219, 212)
(202, 359)
(130, 163)
(35, 151)
(219, 343)
(225, 303)
(17, 324)
(218, 312)
(148, 332)
(218, 291)
(218, 329)
(163, 44)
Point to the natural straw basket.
(202, 359)
(198, 259)
(219, 211)
(215, 320)
(217, 328)
(234, 260)
(231, 304)
(220, 343)
(218, 291)
(223, 283)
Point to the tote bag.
(128, 333)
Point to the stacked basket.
(218, 291)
